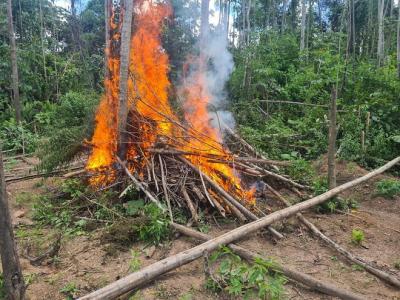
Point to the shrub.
(388, 188)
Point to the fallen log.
(150, 272)
(55, 173)
(233, 201)
(314, 284)
(354, 259)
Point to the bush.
(357, 236)
(71, 123)
(388, 188)
(17, 137)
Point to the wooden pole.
(332, 142)
(13, 279)
(315, 284)
(150, 272)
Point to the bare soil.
(85, 263)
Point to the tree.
(398, 42)
(14, 66)
(303, 25)
(380, 53)
(124, 72)
(13, 279)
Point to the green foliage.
(70, 290)
(157, 228)
(240, 279)
(301, 170)
(356, 267)
(71, 123)
(388, 188)
(17, 137)
(357, 236)
(134, 263)
(320, 186)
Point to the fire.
(151, 118)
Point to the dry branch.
(305, 279)
(248, 214)
(150, 272)
(140, 186)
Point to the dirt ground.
(83, 263)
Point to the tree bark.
(13, 279)
(124, 73)
(332, 142)
(303, 25)
(107, 16)
(398, 43)
(150, 272)
(380, 53)
(14, 65)
(314, 284)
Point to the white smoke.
(217, 74)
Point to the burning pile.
(180, 160)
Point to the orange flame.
(151, 116)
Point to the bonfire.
(177, 161)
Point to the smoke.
(210, 77)
(219, 69)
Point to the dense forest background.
(289, 55)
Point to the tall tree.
(398, 41)
(124, 72)
(303, 25)
(381, 49)
(14, 66)
(13, 279)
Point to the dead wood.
(140, 185)
(248, 214)
(354, 259)
(40, 175)
(314, 284)
(49, 253)
(150, 272)
(189, 202)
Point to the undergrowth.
(388, 188)
(240, 279)
(2, 288)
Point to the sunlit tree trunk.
(332, 142)
(380, 53)
(124, 73)
(13, 279)
(42, 39)
(303, 25)
(14, 66)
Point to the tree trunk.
(380, 53)
(332, 142)
(124, 73)
(13, 279)
(303, 25)
(150, 272)
(398, 43)
(107, 16)
(248, 29)
(14, 66)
